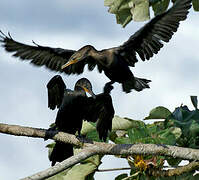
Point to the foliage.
(139, 10)
(180, 128)
(188, 122)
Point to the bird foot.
(83, 139)
(108, 87)
(50, 133)
(162, 145)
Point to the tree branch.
(93, 148)
(177, 171)
(84, 154)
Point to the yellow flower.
(140, 163)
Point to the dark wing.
(56, 88)
(101, 110)
(148, 40)
(52, 58)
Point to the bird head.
(78, 56)
(85, 84)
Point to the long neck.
(100, 56)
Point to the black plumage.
(115, 62)
(74, 107)
(101, 110)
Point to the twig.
(133, 175)
(113, 169)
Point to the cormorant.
(74, 107)
(115, 61)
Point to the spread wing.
(52, 58)
(56, 88)
(101, 110)
(148, 40)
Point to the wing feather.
(52, 58)
(100, 110)
(148, 40)
(56, 88)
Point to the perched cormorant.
(74, 107)
(115, 61)
(70, 115)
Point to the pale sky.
(72, 24)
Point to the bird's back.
(69, 116)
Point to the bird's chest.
(118, 70)
(70, 113)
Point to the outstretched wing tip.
(148, 40)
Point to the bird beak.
(69, 63)
(90, 92)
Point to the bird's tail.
(135, 83)
(61, 151)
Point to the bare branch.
(93, 148)
(177, 171)
(84, 154)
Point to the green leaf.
(139, 10)
(177, 132)
(174, 162)
(166, 136)
(195, 4)
(82, 171)
(194, 128)
(123, 17)
(121, 176)
(122, 140)
(160, 6)
(194, 99)
(87, 127)
(93, 135)
(79, 172)
(138, 134)
(50, 148)
(119, 123)
(188, 122)
(127, 10)
(59, 176)
(159, 112)
(108, 2)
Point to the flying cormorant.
(115, 61)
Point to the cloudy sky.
(72, 24)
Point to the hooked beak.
(69, 63)
(90, 92)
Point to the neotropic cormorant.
(74, 107)
(69, 116)
(115, 62)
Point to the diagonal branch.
(98, 148)
(84, 154)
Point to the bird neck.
(100, 56)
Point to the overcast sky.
(72, 24)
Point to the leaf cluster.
(180, 127)
(139, 10)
